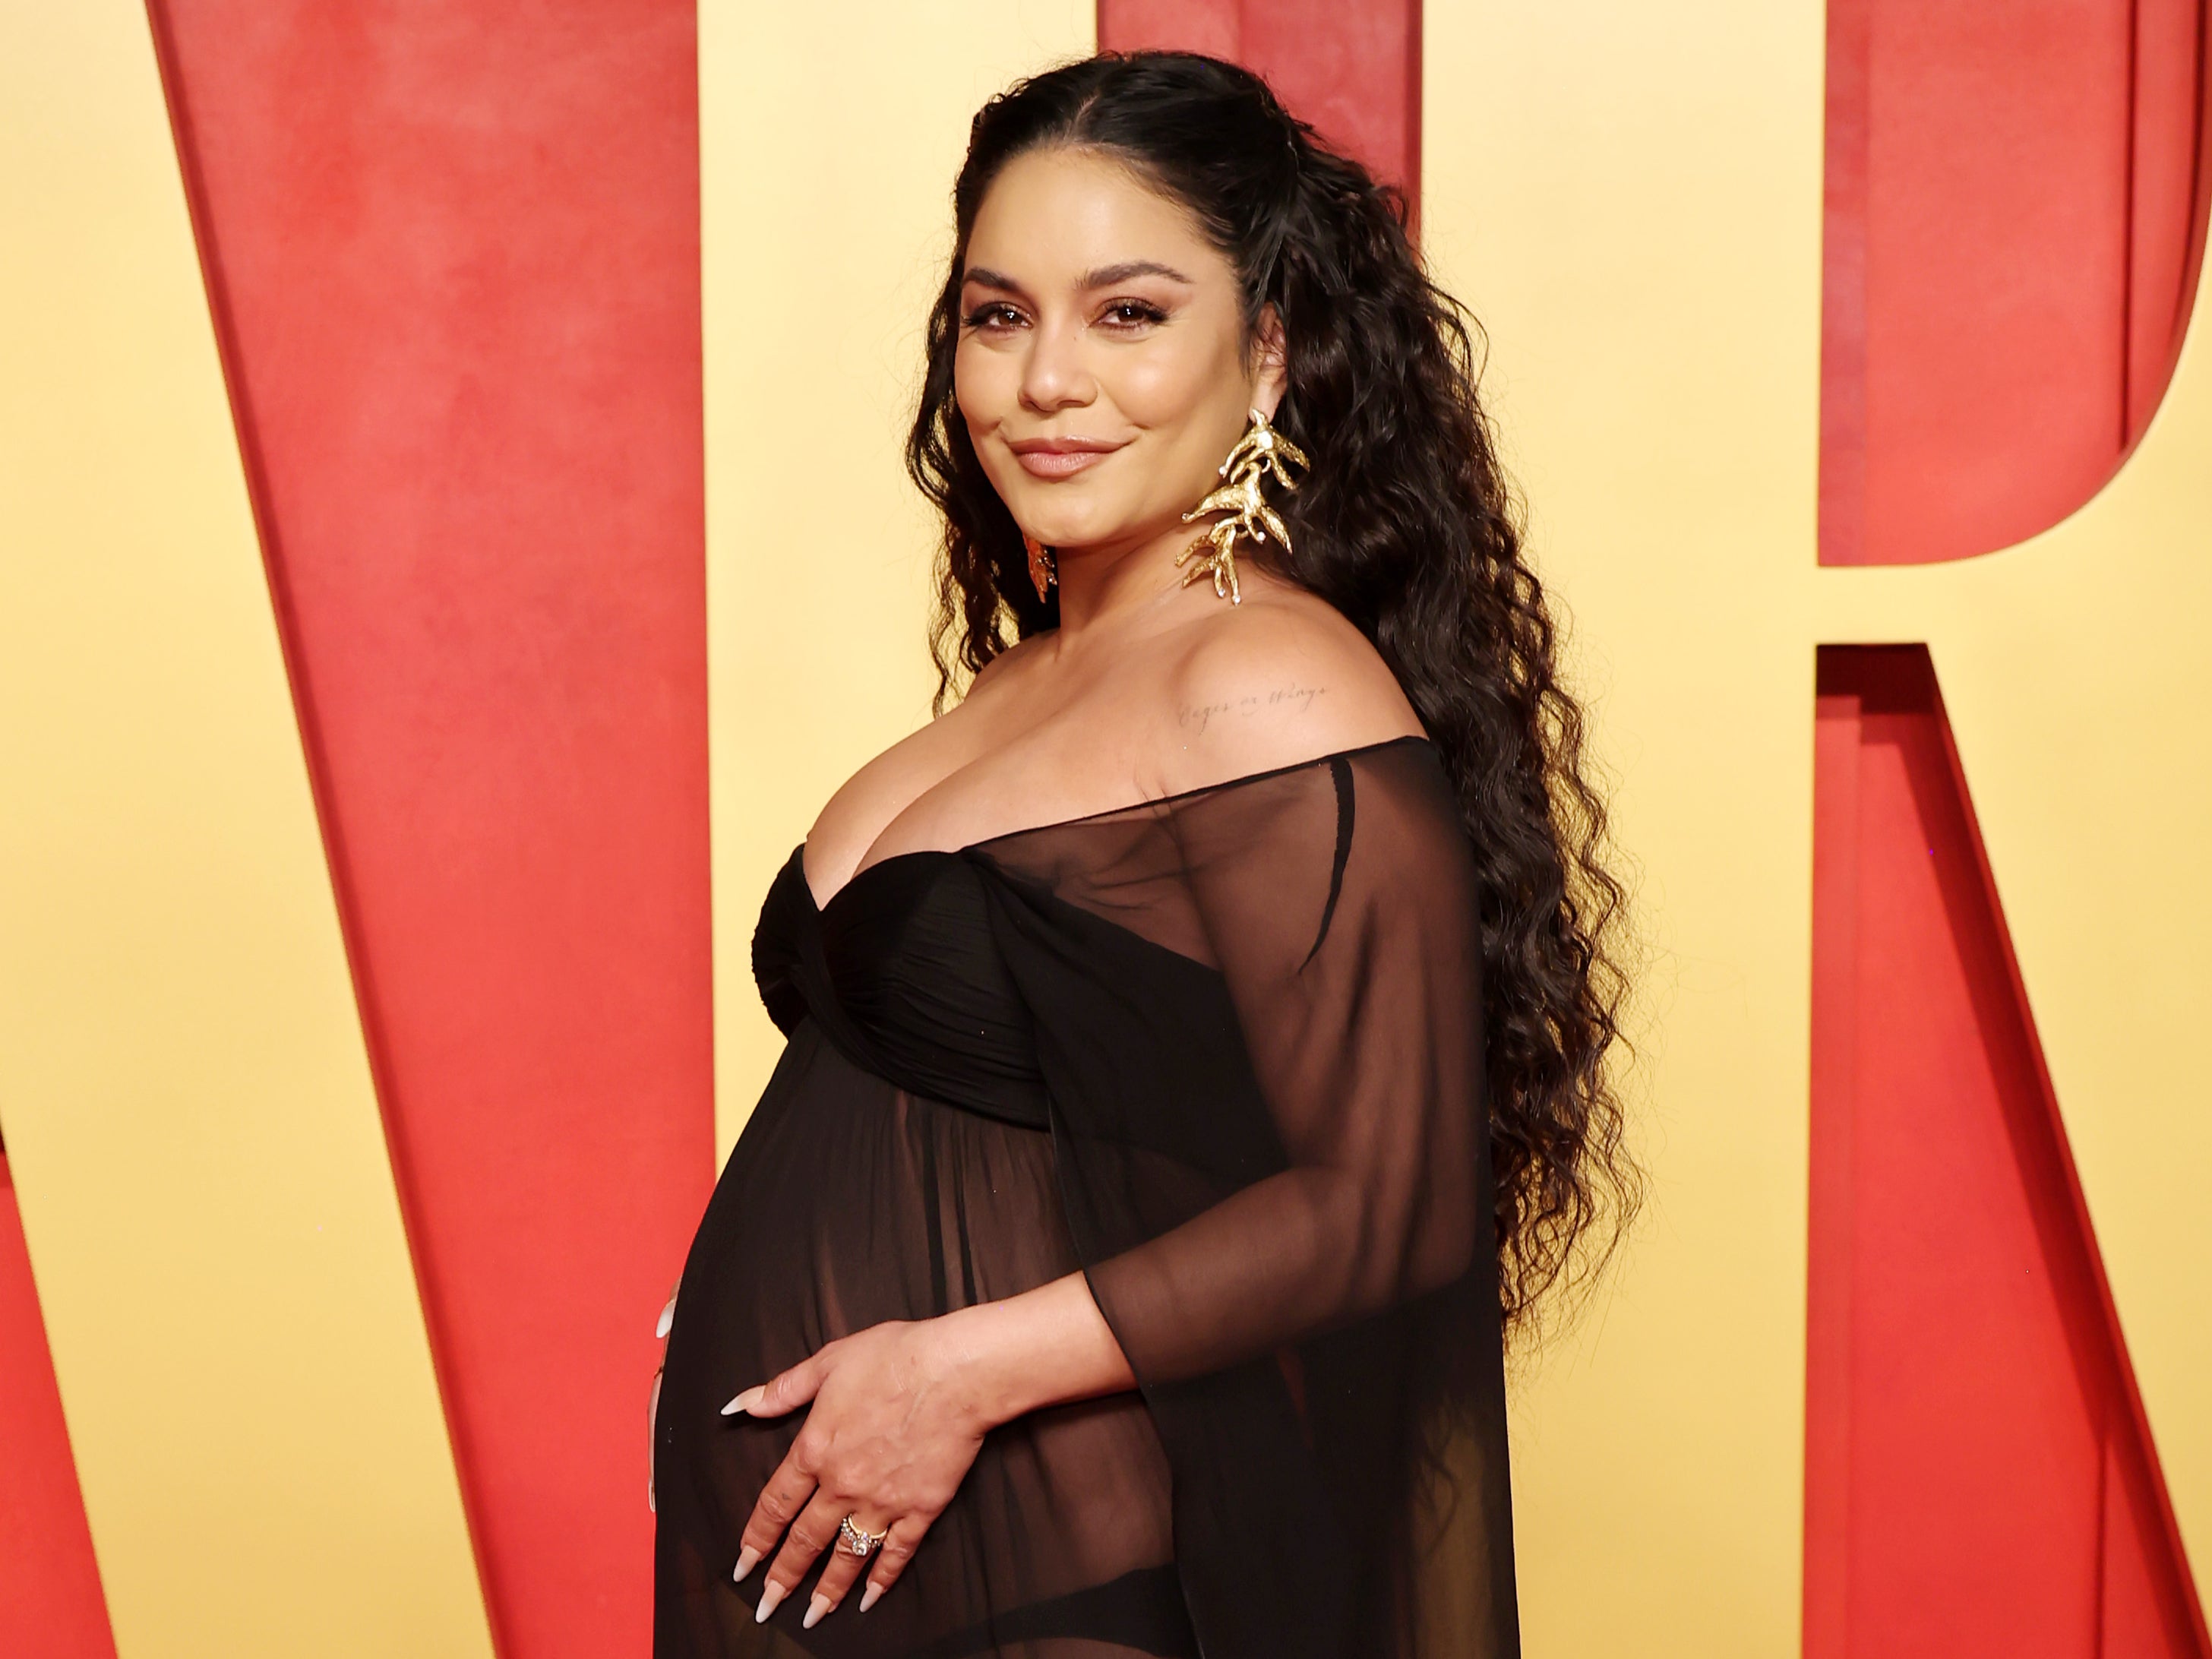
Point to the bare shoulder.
(1281, 679)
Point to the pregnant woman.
(1196, 1032)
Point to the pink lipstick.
(1061, 458)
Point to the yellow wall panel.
(183, 1083)
(1630, 196)
(830, 135)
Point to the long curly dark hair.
(1408, 526)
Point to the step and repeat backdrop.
(454, 536)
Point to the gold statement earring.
(1261, 450)
(1044, 566)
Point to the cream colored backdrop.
(183, 1083)
(829, 135)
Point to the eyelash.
(999, 314)
(985, 315)
(1146, 312)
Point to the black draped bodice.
(902, 973)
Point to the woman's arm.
(1044, 1347)
(900, 1411)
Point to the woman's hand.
(900, 1411)
(897, 1419)
(653, 1400)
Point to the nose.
(1056, 376)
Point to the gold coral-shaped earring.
(1261, 450)
(1044, 566)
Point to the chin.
(1064, 529)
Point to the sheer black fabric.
(1223, 1053)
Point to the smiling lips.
(1061, 458)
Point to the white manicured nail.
(667, 1318)
(745, 1401)
(771, 1594)
(868, 1599)
(815, 1609)
(748, 1558)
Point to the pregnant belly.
(849, 1201)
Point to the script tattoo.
(1197, 716)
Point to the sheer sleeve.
(1259, 1012)
(1361, 1015)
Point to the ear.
(1273, 375)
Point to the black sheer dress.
(1223, 1053)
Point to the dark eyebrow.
(984, 278)
(1107, 276)
(1104, 277)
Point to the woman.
(1119, 1259)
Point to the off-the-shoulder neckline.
(1149, 803)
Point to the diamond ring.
(856, 1539)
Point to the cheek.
(985, 384)
(986, 390)
(1163, 386)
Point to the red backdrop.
(2013, 215)
(50, 1605)
(1352, 71)
(1979, 1478)
(453, 257)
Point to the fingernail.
(748, 1558)
(815, 1609)
(868, 1598)
(747, 1400)
(667, 1318)
(771, 1594)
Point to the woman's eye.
(997, 314)
(1133, 313)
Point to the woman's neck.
(1104, 587)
